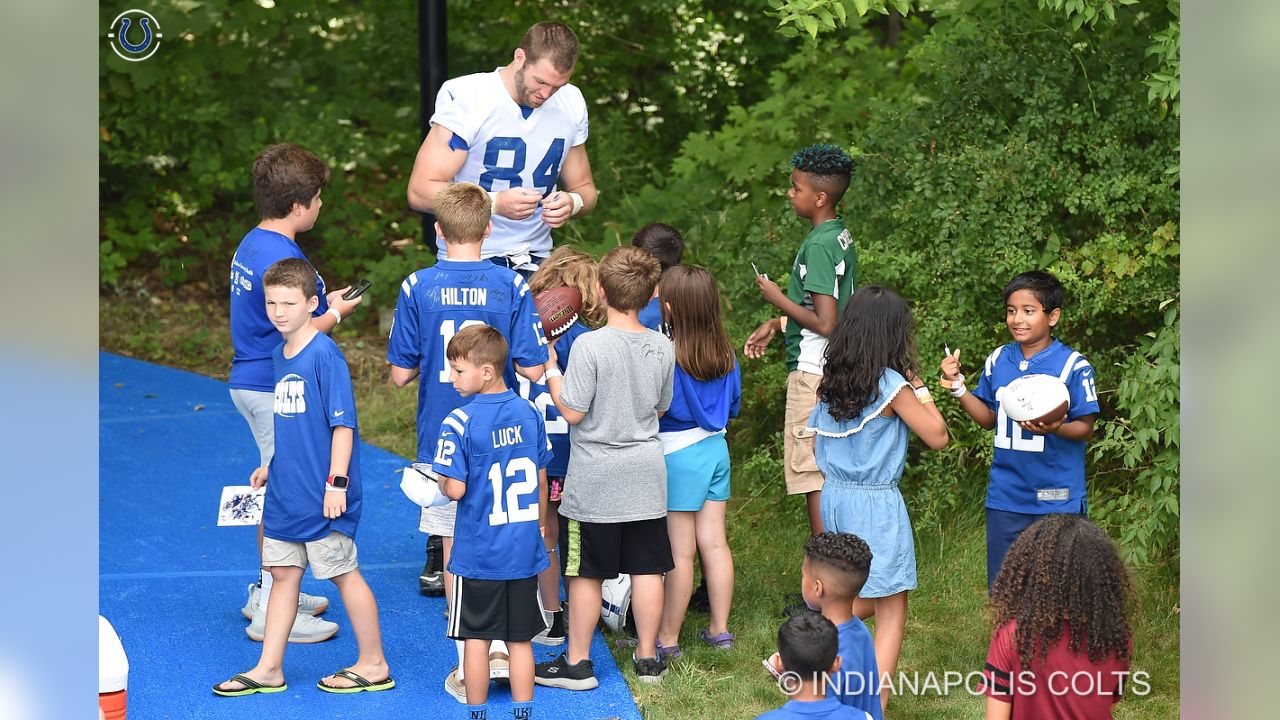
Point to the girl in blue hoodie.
(707, 389)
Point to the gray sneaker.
(306, 628)
(307, 604)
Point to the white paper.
(241, 505)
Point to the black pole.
(432, 72)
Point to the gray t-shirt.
(622, 381)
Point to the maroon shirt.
(1065, 685)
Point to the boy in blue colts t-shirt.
(309, 520)
(806, 657)
(436, 303)
(666, 245)
(1036, 469)
(287, 181)
(492, 458)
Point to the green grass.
(947, 628)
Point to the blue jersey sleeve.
(335, 390)
(451, 453)
(528, 342)
(544, 444)
(986, 390)
(404, 347)
(1082, 384)
(735, 389)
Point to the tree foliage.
(989, 138)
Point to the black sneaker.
(559, 673)
(649, 670)
(700, 600)
(554, 634)
(431, 581)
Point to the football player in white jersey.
(519, 132)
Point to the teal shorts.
(697, 474)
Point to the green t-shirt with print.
(826, 263)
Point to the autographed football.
(558, 308)
(1036, 398)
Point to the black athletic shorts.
(507, 610)
(605, 550)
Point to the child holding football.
(868, 399)
(1037, 469)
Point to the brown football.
(558, 308)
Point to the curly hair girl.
(876, 331)
(568, 266)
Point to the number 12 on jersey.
(525, 487)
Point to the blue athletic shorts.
(1003, 527)
(697, 474)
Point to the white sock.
(460, 645)
(265, 595)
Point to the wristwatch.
(338, 483)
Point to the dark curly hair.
(875, 331)
(1064, 568)
(829, 166)
(845, 553)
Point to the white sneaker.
(499, 667)
(453, 685)
(306, 628)
(307, 604)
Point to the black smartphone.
(357, 290)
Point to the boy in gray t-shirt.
(614, 501)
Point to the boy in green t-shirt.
(822, 278)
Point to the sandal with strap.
(723, 641)
(361, 684)
(251, 687)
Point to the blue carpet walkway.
(172, 582)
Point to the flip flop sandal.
(251, 687)
(361, 684)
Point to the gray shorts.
(258, 409)
(328, 557)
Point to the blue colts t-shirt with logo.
(313, 396)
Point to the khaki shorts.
(328, 557)
(799, 466)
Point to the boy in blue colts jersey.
(492, 458)
(666, 245)
(435, 304)
(287, 181)
(308, 520)
(834, 569)
(807, 654)
(1036, 470)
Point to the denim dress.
(862, 459)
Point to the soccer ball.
(615, 602)
(1036, 398)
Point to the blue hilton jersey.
(434, 304)
(1032, 473)
(495, 445)
(313, 396)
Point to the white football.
(1036, 398)
(615, 602)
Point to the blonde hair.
(463, 211)
(628, 276)
(568, 266)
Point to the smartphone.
(357, 290)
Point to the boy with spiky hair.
(666, 245)
(822, 278)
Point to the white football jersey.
(506, 149)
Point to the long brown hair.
(569, 267)
(702, 346)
